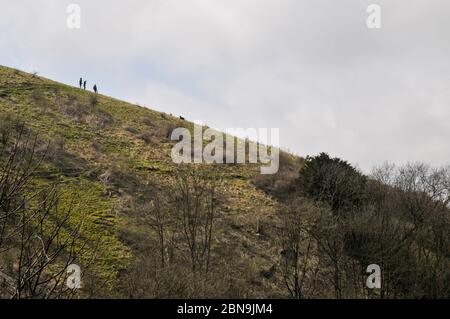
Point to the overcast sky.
(309, 67)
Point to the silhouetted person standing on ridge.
(95, 88)
(84, 84)
(81, 82)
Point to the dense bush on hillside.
(333, 181)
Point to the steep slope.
(108, 151)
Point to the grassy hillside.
(108, 151)
(142, 224)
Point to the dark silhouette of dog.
(84, 85)
(182, 118)
(95, 88)
(81, 82)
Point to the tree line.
(340, 221)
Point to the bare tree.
(410, 229)
(158, 215)
(196, 199)
(47, 244)
(298, 268)
(37, 239)
(182, 214)
(18, 162)
(328, 232)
